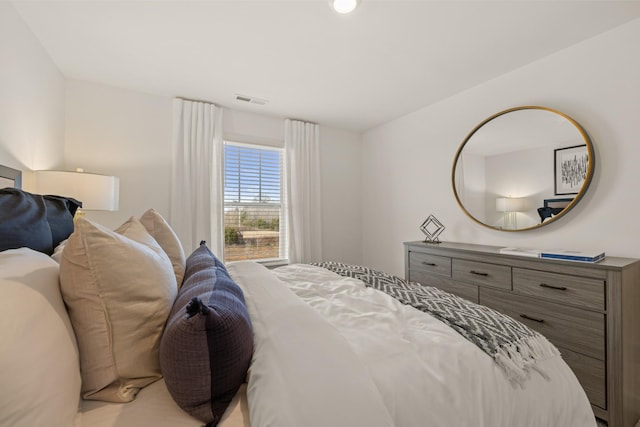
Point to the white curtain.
(197, 201)
(302, 156)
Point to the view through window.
(254, 224)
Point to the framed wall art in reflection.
(570, 169)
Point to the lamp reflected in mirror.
(510, 206)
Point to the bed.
(552, 207)
(415, 367)
(327, 349)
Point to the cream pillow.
(119, 287)
(167, 239)
(39, 371)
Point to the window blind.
(254, 218)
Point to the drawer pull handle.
(524, 316)
(477, 273)
(558, 288)
(432, 264)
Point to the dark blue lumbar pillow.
(23, 221)
(60, 212)
(207, 344)
(34, 221)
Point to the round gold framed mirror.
(522, 168)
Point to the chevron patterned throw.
(514, 346)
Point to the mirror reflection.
(522, 168)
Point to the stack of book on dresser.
(561, 254)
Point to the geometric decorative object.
(432, 228)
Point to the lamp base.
(510, 221)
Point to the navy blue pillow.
(216, 260)
(207, 344)
(34, 221)
(60, 212)
(23, 221)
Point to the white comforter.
(331, 352)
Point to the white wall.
(341, 157)
(407, 162)
(128, 134)
(31, 100)
(119, 132)
(534, 169)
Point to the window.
(254, 214)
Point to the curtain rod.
(303, 121)
(213, 103)
(196, 100)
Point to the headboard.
(10, 177)
(557, 203)
(553, 207)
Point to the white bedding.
(331, 352)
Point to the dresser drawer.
(591, 374)
(482, 274)
(433, 264)
(572, 328)
(562, 288)
(463, 290)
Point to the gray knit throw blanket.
(513, 346)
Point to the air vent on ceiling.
(250, 99)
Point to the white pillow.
(119, 287)
(57, 251)
(39, 368)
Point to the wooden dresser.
(591, 312)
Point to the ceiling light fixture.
(344, 6)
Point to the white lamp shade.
(96, 192)
(509, 204)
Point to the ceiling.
(354, 72)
